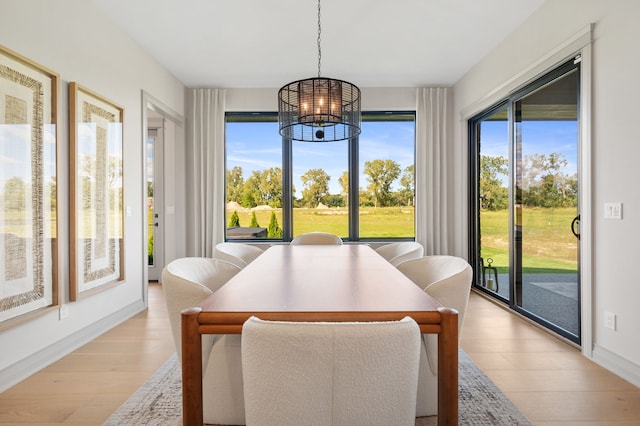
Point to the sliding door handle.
(575, 224)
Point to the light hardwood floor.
(548, 380)
(88, 385)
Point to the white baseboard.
(624, 368)
(15, 373)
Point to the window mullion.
(287, 190)
(354, 190)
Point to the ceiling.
(268, 43)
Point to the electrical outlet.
(610, 320)
(64, 311)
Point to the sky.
(258, 146)
(539, 137)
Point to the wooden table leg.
(191, 368)
(448, 367)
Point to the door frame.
(173, 139)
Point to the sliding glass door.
(526, 227)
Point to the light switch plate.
(613, 210)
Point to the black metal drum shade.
(319, 110)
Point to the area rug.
(159, 400)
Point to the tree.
(381, 174)
(335, 200)
(494, 194)
(235, 182)
(316, 187)
(254, 221)
(274, 230)
(14, 194)
(263, 187)
(344, 186)
(235, 220)
(365, 198)
(271, 187)
(407, 184)
(544, 184)
(251, 191)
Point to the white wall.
(615, 151)
(73, 39)
(373, 99)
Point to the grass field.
(547, 241)
(548, 244)
(387, 222)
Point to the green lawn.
(548, 244)
(384, 222)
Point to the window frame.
(287, 176)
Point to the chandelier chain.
(319, 34)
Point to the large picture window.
(261, 167)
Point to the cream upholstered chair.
(396, 253)
(448, 280)
(186, 282)
(349, 373)
(317, 238)
(239, 254)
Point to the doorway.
(164, 157)
(526, 243)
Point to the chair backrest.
(330, 373)
(239, 254)
(396, 253)
(317, 238)
(188, 281)
(445, 278)
(448, 280)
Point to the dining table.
(349, 282)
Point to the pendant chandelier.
(319, 109)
